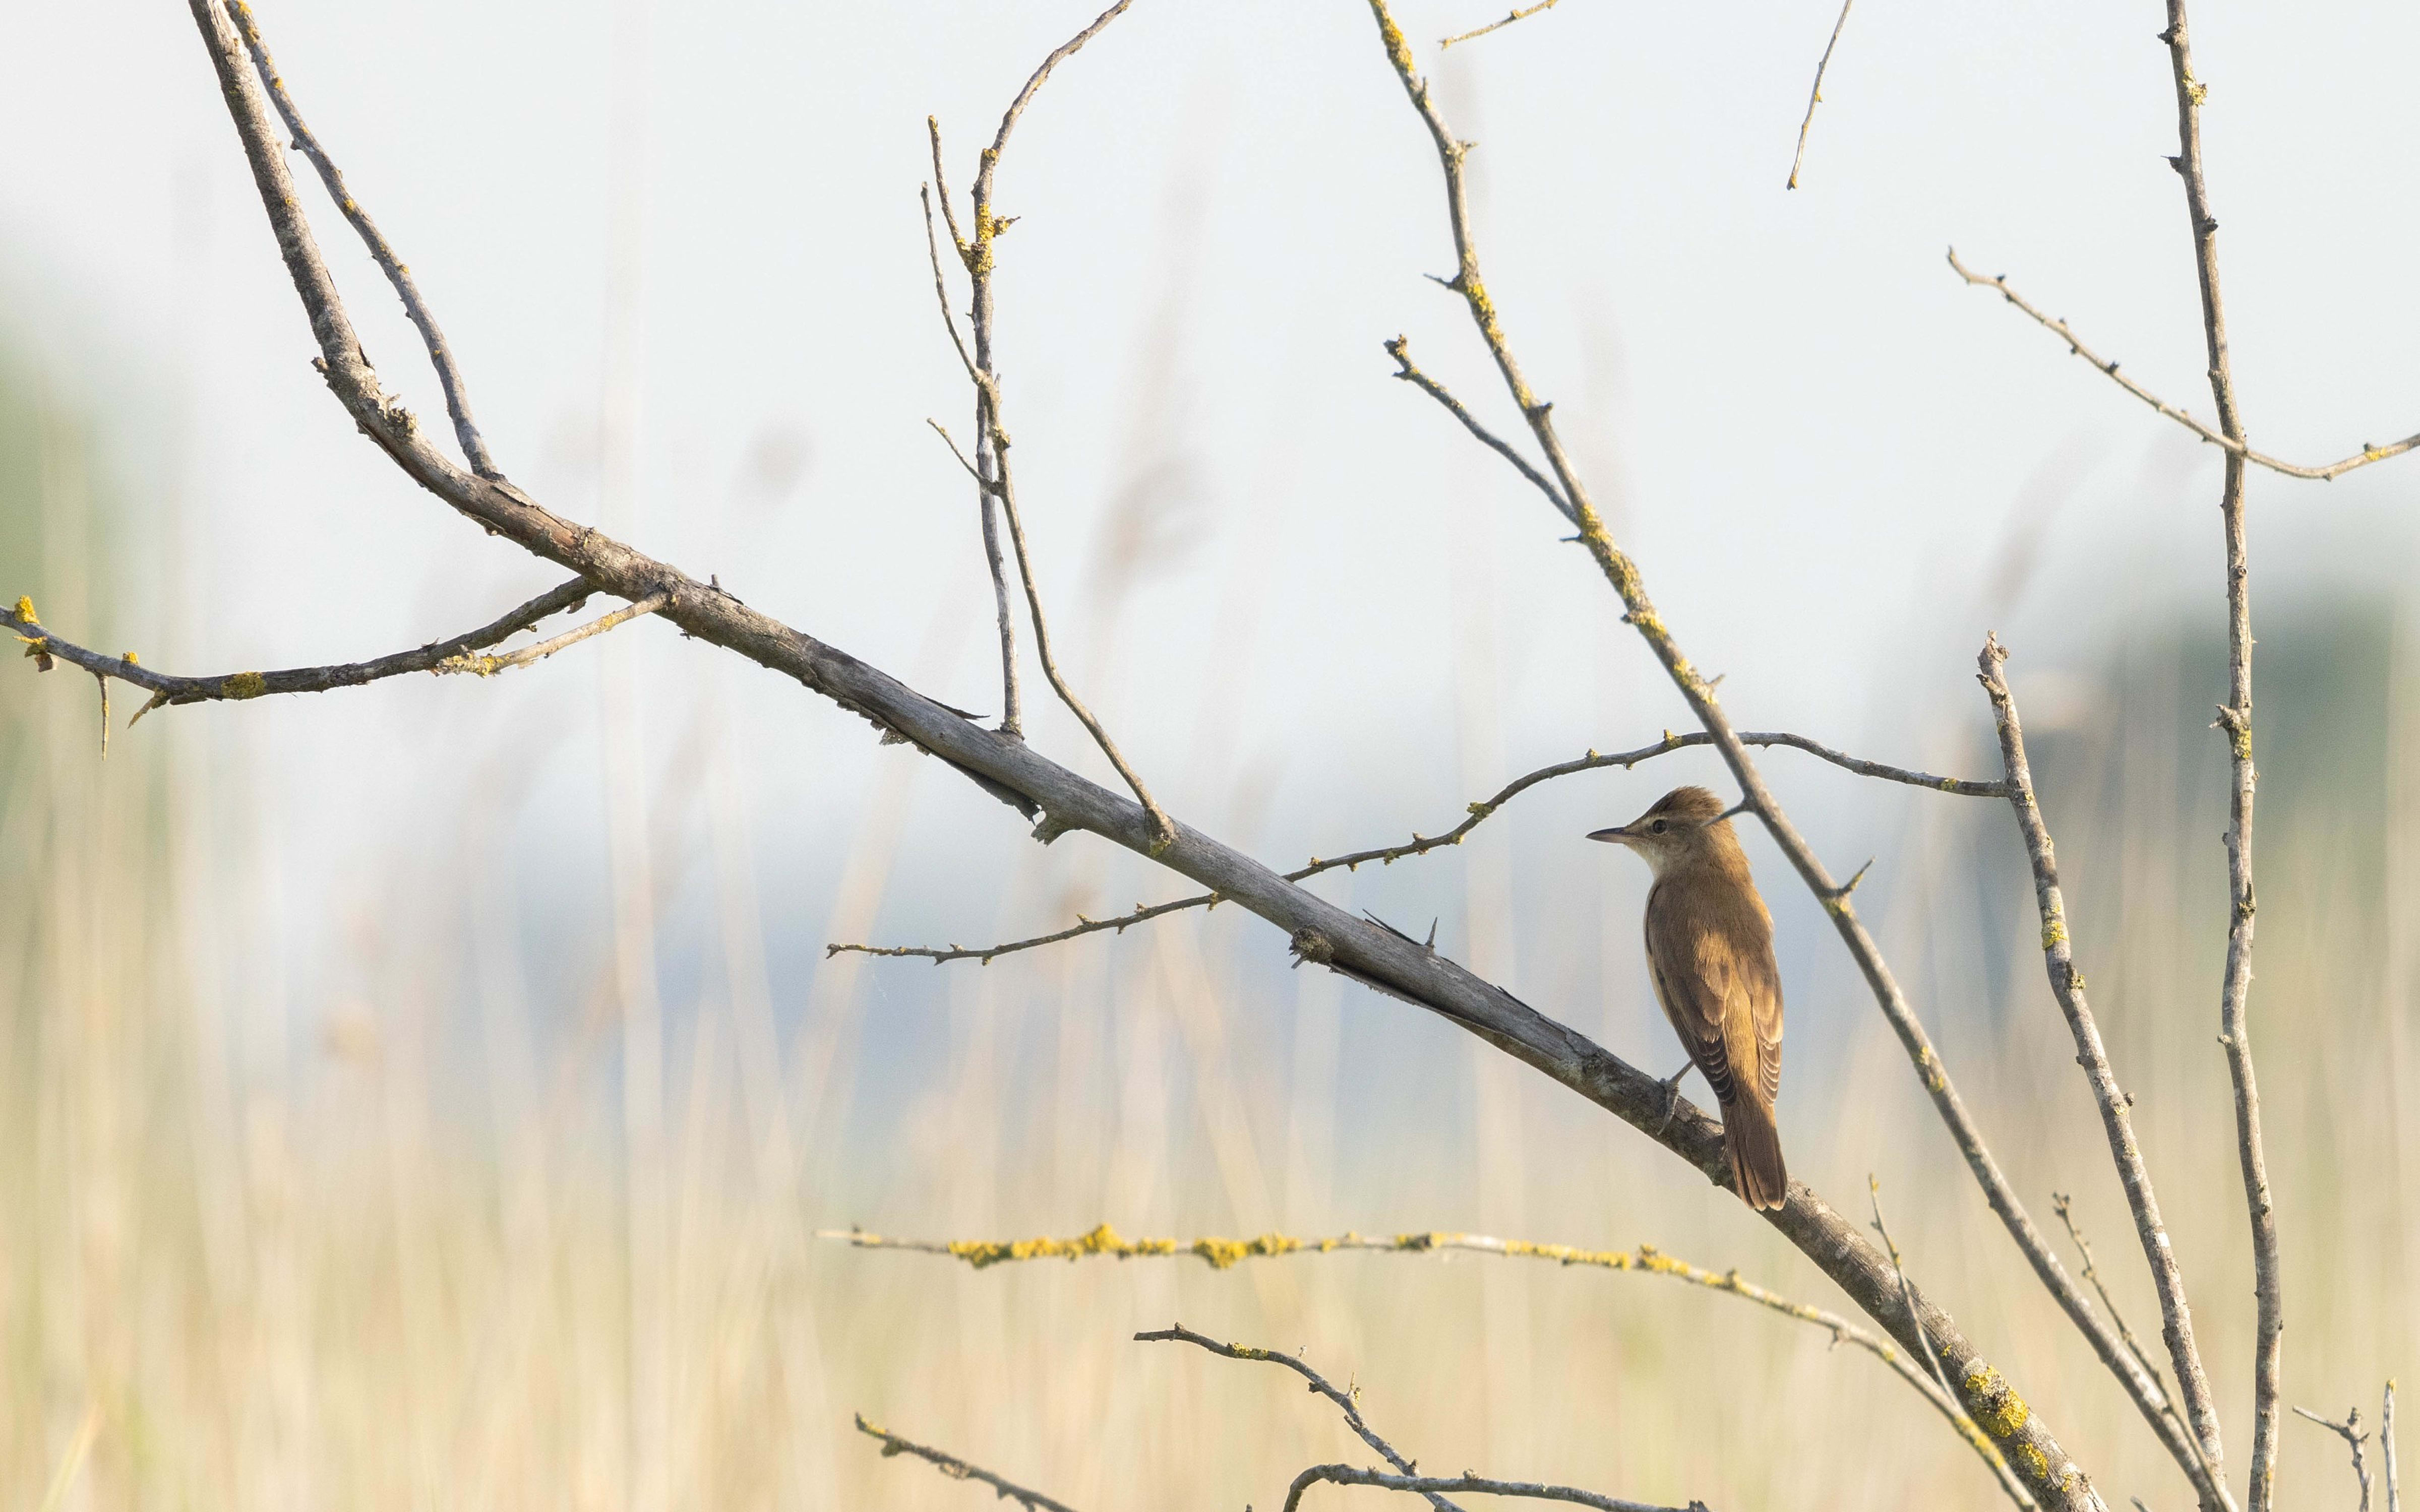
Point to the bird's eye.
(1657, 827)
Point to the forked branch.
(2057, 1477)
(995, 479)
(1346, 1400)
(2234, 445)
(2117, 1108)
(958, 1469)
(440, 357)
(436, 657)
(1225, 1254)
(1419, 845)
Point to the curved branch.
(2234, 445)
(958, 1469)
(436, 657)
(2116, 1115)
(440, 357)
(1225, 1254)
(1431, 1485)
(1423, 844)
(1319, 1385)
(2050, 1472)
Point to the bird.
(1709, 954)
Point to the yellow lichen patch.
(1223, 1253)
(246, 686)
(2034, 1464)
(25, 608)
(2053, 933)
(1998, 1409)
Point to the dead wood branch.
(958, 1469)
(1815, 95)
(2235, 717)
(2053, 1473)
(1225, 1254)
(1520, 13)
(1347, 1401)
(2067, 987)
(1419, 845)
(2234, 445)
(437, 655)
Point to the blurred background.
(429, 1095)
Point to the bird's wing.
(1691, 967)
(1716, 978)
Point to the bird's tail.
(1754, 1144)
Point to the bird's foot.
(1672, 1096)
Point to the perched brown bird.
(1710, 952)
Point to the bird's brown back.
(1710, 953)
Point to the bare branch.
(1344, 1400)
(2066, 1210)
(1815, 95)
(166, 689)
(2234, 445)
(941, 285)
(994, 478)
(958, 1469)
(2116, 1115)
(1907, 1291)
(2349, 1430)
(2057, 1474)
(1422, 844)
(489, 666)
(1401, 350)
(2235, 714)
(1008, 769)
(978, 366)
(1431, 1485)
(1225, 1254)
(449, 377)
(1519, 14)
(2386, 1449)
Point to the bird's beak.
(1619, 835)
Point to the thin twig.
(1815, 95)
(167, 689)
(978, 366)
(2235, 714)
(1346, 1400)
(2056, 1473)
(1433, 1485)
(1401, 350)
(2386, 1448)
(993, 476)
(1519, 14)
(958, 1469)
(482, 666)
(2066, 1210)
(457, 398)
(2349, 1430)
(2234, 445)
(1225, 1254)
(1477, 814)
(1907, 1292)
(2117, 1106)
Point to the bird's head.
(1685, 823)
